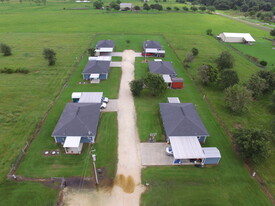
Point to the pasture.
(26, 98)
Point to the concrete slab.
(115, 64)
(116, 54)
(138, 54)
(153, 154)
(95, 81)
(111, 106)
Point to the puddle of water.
(127, 184)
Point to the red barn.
(177, 83)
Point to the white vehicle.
(169, 151)
(103, 105)
(105, 99)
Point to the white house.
(236, 37)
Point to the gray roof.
(78, 119)
(161, 67)
(97, 67)
(181, 119)
(105, 44)
(151, 44)
(177, 79)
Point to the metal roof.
(76, 95)
(161, 67)
(151, 44)
(97, 67)
(186, 148)
(167, 78)
(181, 119)
(105, 43)
(211, 152)
(91, 97)
(246, 36)
(78, 119)
(72, 141)
(173, 100)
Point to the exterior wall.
(202, 139)
(87, 139)
(234, 39)
(212, 161)
(177, 85)
(60, 139)
(86, 76)
(74, 150)
(103, 76)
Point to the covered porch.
(72, 145)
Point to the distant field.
(29, 28)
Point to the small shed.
(72, 145)
(76, 96)
(177, 83)
(212, 155)
(173, 100)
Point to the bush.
(49, 54)
(184, 8)
(225, 60)
(146, 7)
(272, 32)
(253, 144)
(193, 8)
(189, 57)
(98, 4)
(228, 78)
(5, 49)
(237, 98)
(176, 8)
(137, 8)
(91, 51)
(269, 77)
(136, 86)
(256, 85)
(209, 32)
(195, 51)
(207, 74)
(263, 63)
(11, 71)
(155, 84)
(168, 8)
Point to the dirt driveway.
(127, 188)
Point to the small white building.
(236, 37)
(87, 97)
(123, 6)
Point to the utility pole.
(94, 168)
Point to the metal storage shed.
(212, 155)
(236, 37)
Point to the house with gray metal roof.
(182, 119)
(77, 125)
(95, 69)
(104, 47)
(162, 68)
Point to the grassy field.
(190, 185)
(26, 98)
(27, 193)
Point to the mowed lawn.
(26, 98)
(226, 184)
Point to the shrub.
(263, 63)
(176, 8)
(5, 49)
(256, 85)
(253, 144)
(168, 8)
(272, 32)
(209, 32)
(228, 78)
(184, 8)
(207, 74)
(237, 98)
(91, 51)
(136, 86)
(195, 51)
(155, 84)
(98, 4)
(269, 77)
(49, 54)
(189, 57)
(137, 8)
(225, 60)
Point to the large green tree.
(253, 144)
(155, 84)
(256, 85)
(228, 78)
(225, 60)
(136, 86)
(269, 77)
(207, 74)
(237, 98)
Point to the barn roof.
(151, 44)
(181, 119)
(161, 67)
(97, 67)
(105, 44)
(78, 119)
(247, 37)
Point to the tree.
(209, 32)
(207, 74)
(146, 7)
(195, 51)
(168, 8)
(228, 78)
(193, 8)
(263, 63)
(98, 4)
(155, 84)
(269, 77)
(184, 8)
(189, 57)
(256, 85)
(237, 98)
(136, 86)
(5, 49)
(253, 144)
(91, 51)
(176, 8)
(225, 60)
(137, 8)
(49, 54)
(202, 8)
(272, 32)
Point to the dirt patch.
(127, 184)
(238, 126)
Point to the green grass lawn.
(27, 193)
(26, 98)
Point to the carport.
(187, 150)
